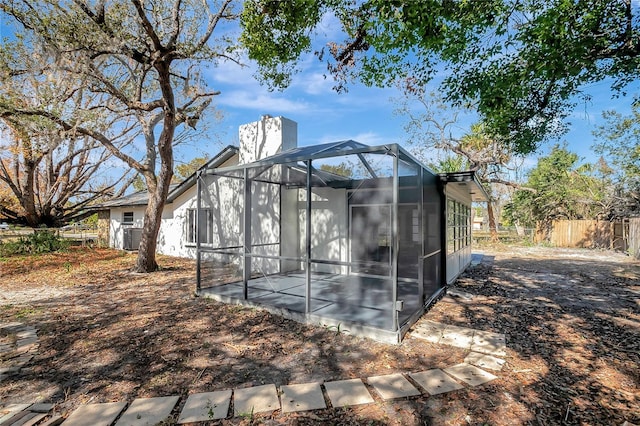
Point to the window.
(127, 218)
(458, 229)
(206, 222)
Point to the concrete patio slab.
(258, 399)
(202, 407)
(302, 397)
(95, 414)
(348, 392)
(484, 361)
(148, 411)
(470, 374)
(392, 386)
(435, 381)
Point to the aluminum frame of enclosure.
(303, 250)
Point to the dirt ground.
(572, 320)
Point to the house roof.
(224, 155)
(469, 181)
(141, 198)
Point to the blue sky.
(364, 114)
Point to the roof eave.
(228, 152)
(468, 179)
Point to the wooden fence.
(588, 234)
(633, 238)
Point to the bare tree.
(143, 57)
(52, 181)
(52, 174)
(435, 134)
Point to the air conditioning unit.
(132, 238)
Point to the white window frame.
(124, 218)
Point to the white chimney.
(267, 137)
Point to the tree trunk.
(27, 196)
(146, 261)
(159, 190)
(493, 229)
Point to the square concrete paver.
(490, 343)
(470, 374)
(258, 399)
(95, 414)
(303, 397)
(460, 337)
(430, 331)
(348, 392)
(202, 407)
(435, 381)
(393, 386)
(148, 411)
(484, 361)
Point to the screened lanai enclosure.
(342, 234)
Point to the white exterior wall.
(457, 261)
(116, 227)
(290, 233)
(172, 239)
(265, 227)
(329, 230)
(266, 137)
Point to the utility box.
(132, 238)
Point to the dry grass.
(109, 334)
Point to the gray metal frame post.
(198, 207)
(307, 291)
(246, 244)
(423, 229)
(394, 239)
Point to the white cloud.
(229, 72)
(367, 138)
(264, 102)
(314, 83)
(330, 26)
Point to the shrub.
(39, 242)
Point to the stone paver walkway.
(484, 347)
(23, 344)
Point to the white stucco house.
(339, 233)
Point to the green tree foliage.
(619, 144)
(449, 164)
(520, 63)
(41, 241)
(341, 169)
(431, 126)
(563, 189)
(185, 170)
